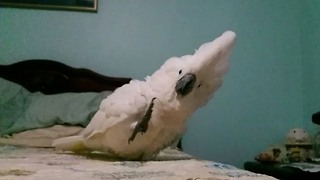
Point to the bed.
(42, 100)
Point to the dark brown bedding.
(52, 77)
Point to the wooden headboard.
(52, 77)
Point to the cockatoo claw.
(142, 126)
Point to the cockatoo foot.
(142, 126)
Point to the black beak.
(185, 84)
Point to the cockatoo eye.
(199, 85)
(180, 72)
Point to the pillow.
(21, 110)
(11, 102)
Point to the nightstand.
(280, 172)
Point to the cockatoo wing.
(128, 102)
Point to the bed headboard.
(52, 77)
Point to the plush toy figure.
(274, 154)
(299, 145)
(143, 117)
(298, 136)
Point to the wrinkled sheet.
(21, 163)
(42, 137)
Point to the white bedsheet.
(21, 163)
(34, 159)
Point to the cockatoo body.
(143, 117)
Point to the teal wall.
(310, 45)
(261, 98)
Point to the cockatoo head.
(190, 80)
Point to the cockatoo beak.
(185, 84)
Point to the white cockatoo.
(141, 118)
